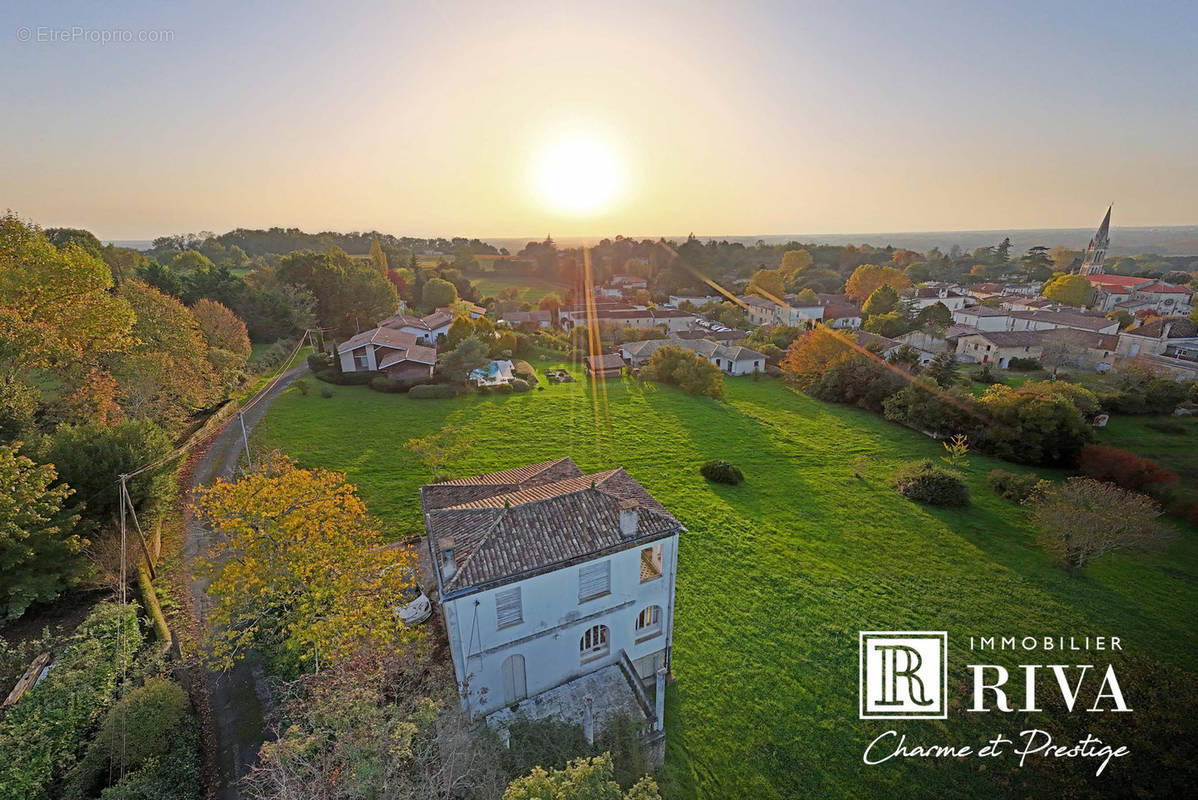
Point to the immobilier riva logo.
(903, 675)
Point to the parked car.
(416, 607)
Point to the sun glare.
(579, 175)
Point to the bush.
(721, 472)
(433, 391)
(1123, 468)
(319, 362)
(1082, 519)
(1014, 486)
(1037, 423)
(861, 382)
(326, 392)
(689, 371)
(1024, 364)
(525, 371)
(1167, 426)
(925, 482)
(301, 386)
(519, 385)
(382, 384)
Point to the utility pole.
(245, 440)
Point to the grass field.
(778, 575)
(1175, 451)
(532, 289)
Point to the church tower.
(1096, 252)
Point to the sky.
(579, 119)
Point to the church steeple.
(1096, 252)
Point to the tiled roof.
(1066, 319)
(387, 337)
(1163, 288)
(982, 311)
(510, 524)
(605, 361)
(527, 316)
(1127, 281)
(1178, 328)
(1010, 338)
(865, 339)
(416, 352)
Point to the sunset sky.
(641, 118)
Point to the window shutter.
(508, 608)
(594, 580)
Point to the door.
(515, 685)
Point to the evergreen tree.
(943, 368)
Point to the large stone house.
(999, 347)
(550, 580)
(396, 353)
(763, 311)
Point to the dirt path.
(240, 696)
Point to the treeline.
(281, 241)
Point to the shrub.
(433, 391)
(925, 482)
(689, 371)
(1034, 424)
(1014, 486)
(383, 384)
(319, 362)
(1024, 364)
(524, 370)
(1123, 468)
(347, 378)
(721, 472)
(301, 386)
(326, 392)
(860, 382)
(519, 385)
(1167, 426)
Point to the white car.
(417, 607)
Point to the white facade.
(551, 633)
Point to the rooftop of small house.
(516, 523)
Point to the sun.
(579, 175)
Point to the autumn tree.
(768, 282)
(226, 337)
(166, 377)
(795, 261)
(814, 353)
(39, 552)
(299, 564)
(883, 300)
(1071, 290)
(581, 779)
(866, 279)
(1083, 519)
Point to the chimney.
(629, 516)
(449, 564)
(1168, 328)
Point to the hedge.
(391, 385)
(721, 472)
(433, 391)
(348, 378)
(1014, 486)
(43, 733)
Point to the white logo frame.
(905, 640)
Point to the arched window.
(595, 643)
(648, 622)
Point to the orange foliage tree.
(867, 278)
(300, 564)
(814, 353)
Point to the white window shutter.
(594, 580)
(509, 610)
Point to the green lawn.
(531, 289)
(778, 575)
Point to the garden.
(779, 572)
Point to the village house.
(527, 319)
(729, 359)
(983, 318)
(768, 312)
(462, 306)
(998, 347)
(1044, 320)
(930, 296)
(730, 336)
(1172, 337)
(876, 343)
(1077, 348)
(694, 299)
(930, 342)
(557, 593)
(840, 312)
(397, 354)
(426, 329)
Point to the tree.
(62, 238)
(39, 552)
(795, 261)
(299, 563)
(439, 293)
(807, 297)
(883, 300)
(166, 377)
(225, 334)
(814, 353)
(470, 354)
(891, 324)
(866, 279)
(690, 372)
(350, 295)
(89, 458)
(1037, 264)
(190, 261)
(55, 305)
(1036, 423)
(768, 282)
(438, 449)
(461, 328)
(1083, 519)
(377, 257)
(1062, 258)
(1071, 290)
(936, 317)
(581, 779)
(1002, 253)
(943, 369)
(956, 451)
